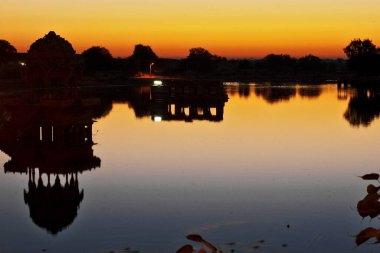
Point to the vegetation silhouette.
(97, 58)
(310, 91)
(10, 68)
(7, 52)
(142, 58)
(310, 64)
(242, 90)
(202, 61)
(276, 94)
(49, 138)
(56, 68)
(363, 57)
(52, 63)
(278, 63)
(363, 107)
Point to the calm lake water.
(278, 164)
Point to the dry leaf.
(371, 176)
(186, 249)
(372, 189)
(366, 234)
(195, 238)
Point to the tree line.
(363, 59)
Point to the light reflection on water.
(278, 164)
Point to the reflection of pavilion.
(188, 102)
(51, 142)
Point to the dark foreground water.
(273, 169)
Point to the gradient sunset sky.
(231, 28)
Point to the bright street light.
(150, 68)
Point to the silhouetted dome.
(52, 62)
(53, 207)
(52, 43)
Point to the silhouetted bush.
(97, 58)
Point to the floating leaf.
(371, 176)
(210, 246)
(186, 249)
(369, 206)
(195, 238)
(367, 234)
(372, 189)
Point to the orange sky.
(231, 28)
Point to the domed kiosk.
(52, 63)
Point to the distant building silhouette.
(52, 63)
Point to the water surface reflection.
(276, 173)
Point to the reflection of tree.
(140, 101)
(363, 108)
(244, 91)
(310, 92)
(276, 94)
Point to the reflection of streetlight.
(23, 64)
(157, 118)
(150, 68)
(157, 83)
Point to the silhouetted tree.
(7, 52)
(277, 63)
(310, 63)
(201, 60)
(358, 47)
(97, 58)
(363, 57)
(142, 57)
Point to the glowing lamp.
(157, 83)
